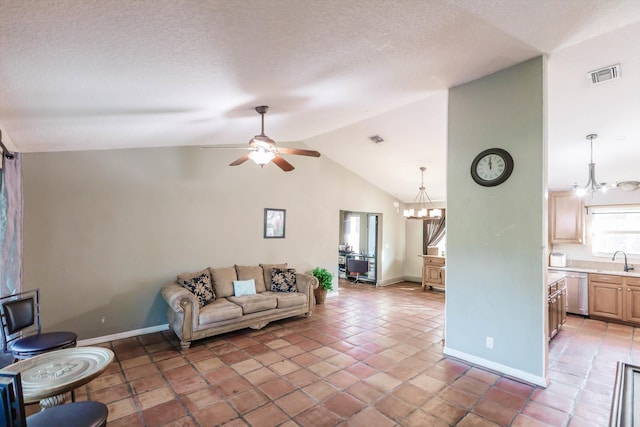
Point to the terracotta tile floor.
(368, 357)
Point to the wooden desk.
(47, 377)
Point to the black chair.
(21, 329)
(79, 414)
(357, 266)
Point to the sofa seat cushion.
(218, 311)
(255, 303)
(289, 299)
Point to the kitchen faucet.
(626, 266)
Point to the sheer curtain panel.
(11, 205)
(432, 232)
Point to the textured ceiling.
(77, 75)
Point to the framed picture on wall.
(274, 223)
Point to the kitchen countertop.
(632, 273)
(554, 276)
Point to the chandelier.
(422, 212)
(592, 184)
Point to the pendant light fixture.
(420, 202)
(592, 185)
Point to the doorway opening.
(358, 247)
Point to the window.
(615, 228)
(352, 232)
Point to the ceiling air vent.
(611, 72)
(376, 138)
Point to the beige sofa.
(228, 312)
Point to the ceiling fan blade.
(240, 161)
(299, 152)
(282, 164)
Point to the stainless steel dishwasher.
(577, 293)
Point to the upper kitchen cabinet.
(566, 218)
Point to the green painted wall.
(496, 235)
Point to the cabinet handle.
(619, 289)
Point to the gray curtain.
(11, 225)
(432, 232)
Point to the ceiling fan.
(264, 150)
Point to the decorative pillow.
(198, 284)
(266, 268)
(283, 280)
(244, 287)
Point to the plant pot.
(320, 295)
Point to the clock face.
(492, 167)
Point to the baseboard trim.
(390, 281)
(506, 370)
(122, 335)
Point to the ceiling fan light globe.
(261, 156)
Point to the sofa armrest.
(174, 295)
(183, 312)
(307, 280)
(306, 283)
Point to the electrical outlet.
(489, 343)
(102, 319)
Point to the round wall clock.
(492, 167)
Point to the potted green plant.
(325, 280)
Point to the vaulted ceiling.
(85, 75)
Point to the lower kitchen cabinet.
(633, 299)
(557, 307)
(614, 298)
(605, 296)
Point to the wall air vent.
(605, 74)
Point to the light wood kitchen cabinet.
(605, 296)
(614, 297)
(433, 275)
(566, 217)
(632, 292)
(557, 301)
